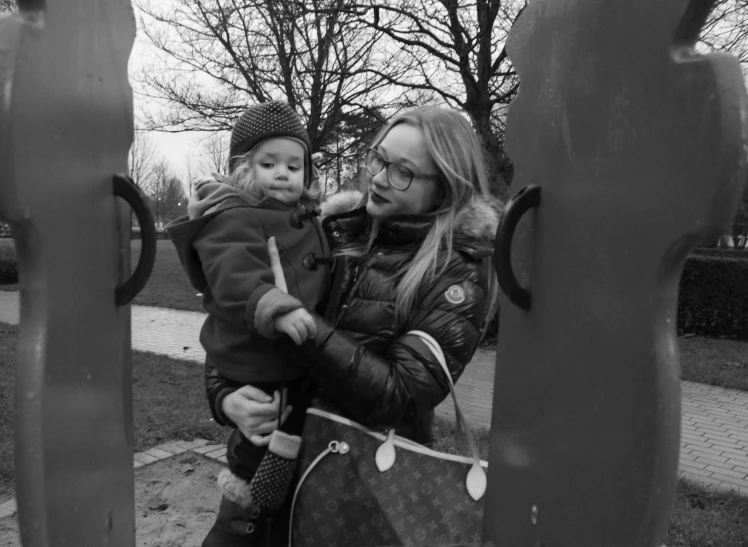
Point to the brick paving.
(155, 454)
(714, 424)
(714, 427)
(158, 330)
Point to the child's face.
(279, 169)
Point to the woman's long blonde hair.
(456, 150)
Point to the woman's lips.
(376, 198)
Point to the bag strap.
(477, 476)
(461, 423)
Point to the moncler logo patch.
(455, 295)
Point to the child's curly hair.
(242, 178)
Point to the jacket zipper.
(347, 295)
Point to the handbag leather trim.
(402, 442)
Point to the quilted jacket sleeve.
(217, 387)
(396, 388)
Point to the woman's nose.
(381, 178)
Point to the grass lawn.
(715, 362)
(701, 517)
(704, 360)
(169, 404)
(168, 286)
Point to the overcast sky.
(173, 146)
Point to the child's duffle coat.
(222, 245)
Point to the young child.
(222, 244)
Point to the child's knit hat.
(265, 121)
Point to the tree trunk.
(497, 163)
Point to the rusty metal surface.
(639, 147)
(65, 129)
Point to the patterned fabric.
(264, 121)
(345, 500)
(271, 484)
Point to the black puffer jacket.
(365, 363)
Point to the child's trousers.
(244, 457)
(237, 525)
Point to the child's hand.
(298, 324)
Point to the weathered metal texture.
(639, 148)
(65, 129)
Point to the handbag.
(361, 487)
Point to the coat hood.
(210, 193)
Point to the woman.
(414, 253)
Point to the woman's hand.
(255, 413)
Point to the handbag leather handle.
(476, 479)
(462, 424)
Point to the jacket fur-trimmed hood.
(479, 220)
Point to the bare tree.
(8, 6)
(726, 30)
(354, 135)
(314, 55)
(216, 153)
(455, 53)
(142, 159)
(192, 170)
(166, 192)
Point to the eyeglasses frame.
(386, 167)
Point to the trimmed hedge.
(8, 265)
(713, 299)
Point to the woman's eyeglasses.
(399, 176)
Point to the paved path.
(714, 431)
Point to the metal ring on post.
(525, 199)
(125, 188)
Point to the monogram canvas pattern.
(346, 501)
